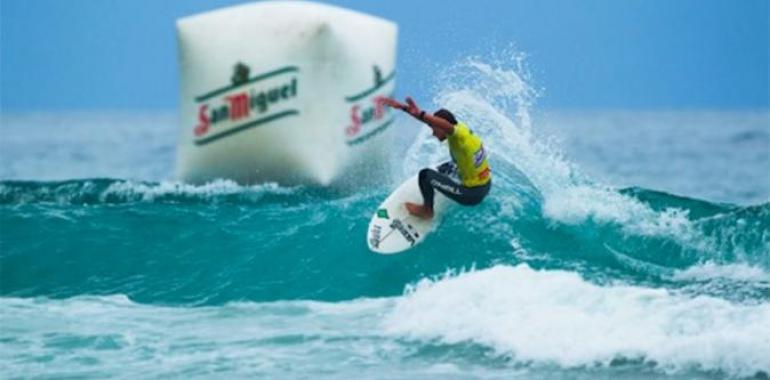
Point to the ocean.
(618, 244)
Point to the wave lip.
(557, 318)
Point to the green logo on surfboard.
(383, 213)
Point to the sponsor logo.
(411, 229)
(484, 173)
(479, 156)
(374, 240)
(398, 225)
(383, 214)
(249, 101)
(368, 113)
(445, 187)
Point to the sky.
(588, 54)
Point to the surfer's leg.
(426, 180)
(472, 196)
(431, 180)
(448, 168)
(423, 179)
(467, 196)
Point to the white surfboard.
(393, 230)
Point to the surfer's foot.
(419, 211)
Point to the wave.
(487, 322)
(125, 339)
(557, 318)
(221, 242)
(116, 191)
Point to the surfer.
(469, 160)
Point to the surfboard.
(392, 229)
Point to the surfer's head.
(446, 115)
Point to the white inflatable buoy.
(284, 92)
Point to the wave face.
(209, 245)
(554, 275)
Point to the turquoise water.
(558, 274)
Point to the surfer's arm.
(411, 108)
(436, 122)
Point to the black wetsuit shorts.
(431, 180)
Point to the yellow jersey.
(468, 153)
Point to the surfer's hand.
(411, 107)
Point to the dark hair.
(446, 115)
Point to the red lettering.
(239, 106)
(355, 121)
(204, 122)
(379, 107)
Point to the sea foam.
(558, 318)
